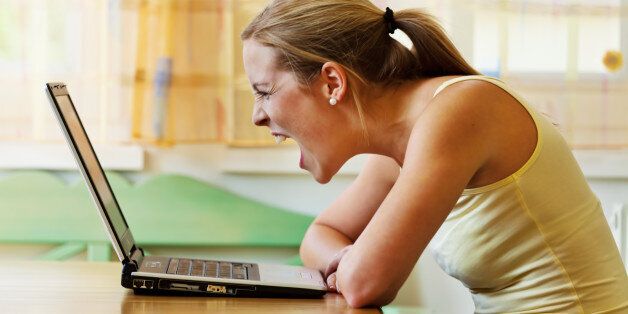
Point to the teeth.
(279, 138)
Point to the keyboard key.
(184, 267)
(197, 268)
(239, 272)
(211, 269)
(225, 270)
(172, 266)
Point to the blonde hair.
(353, 33)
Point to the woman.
(451, 151)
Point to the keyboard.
(203, 268)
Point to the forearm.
(320, 245)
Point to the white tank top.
(536, 241)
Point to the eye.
(262, 95)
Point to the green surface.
(37, 207)
(64, 251)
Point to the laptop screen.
(93, 173)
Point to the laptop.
(172, 275)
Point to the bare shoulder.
(475, 99)
(462, 112)
(468, 97)
(476, 123)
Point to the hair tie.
(389, 19)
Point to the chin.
(322, 180)
(322, 175)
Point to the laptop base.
(201, 289)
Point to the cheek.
(303, 116)
(294, 112)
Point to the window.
(158, 72)
(549, 50)
(77, 42)
(544, 36)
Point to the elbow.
(362, 290)
(305, 257)
(309, 250)
(305, 251)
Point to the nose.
(260, 118)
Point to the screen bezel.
(123, 245)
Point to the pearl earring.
(333, 101)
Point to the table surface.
(94, 287)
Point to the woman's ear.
(334, 79)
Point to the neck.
(392, 116)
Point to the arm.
(342, 222)
(449, 144)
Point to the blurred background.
(161, 90)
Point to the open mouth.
(280, 138)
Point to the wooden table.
(94, 287)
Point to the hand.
(330, 272)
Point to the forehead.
(259, 62)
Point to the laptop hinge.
(137, 255)
(131, 265)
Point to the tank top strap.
(465, 78)
(499, 83)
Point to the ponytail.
(435, 54)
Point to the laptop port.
(148, 284)
(138, 283)
(183, 286)
(216, 289)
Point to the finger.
(333, 265)
(331, 283)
